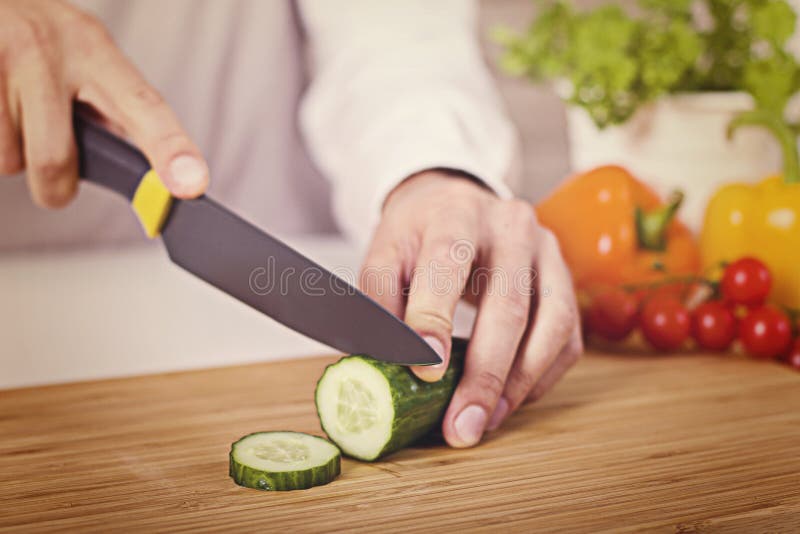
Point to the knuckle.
(490, 383)
(55, 195)
(30, 35)
(439, 244)
(522, 214)
(53, 166)
(379, 279)
(564, 321)
(430, 319)
(517, 308)
(518, 215)
(89, 37)
(146, 95)
(516, 228)
(453, 214)
(521, 382)
(93, 32)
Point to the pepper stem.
(783, 133)
(651, 226)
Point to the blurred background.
(536, 110)
(73, 310)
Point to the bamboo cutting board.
(677, 444)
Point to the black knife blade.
(233, 255)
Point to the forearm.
(398, 88)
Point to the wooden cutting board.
(685, 443)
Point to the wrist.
(437, 181)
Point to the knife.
(248, 264)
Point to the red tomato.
(665, 322)
(713, 326)
(766, 332)
(793, 359)
(746, 281)
(612, 314)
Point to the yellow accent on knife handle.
(151, 202)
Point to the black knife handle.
(107, 160)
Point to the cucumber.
(282, 461)
(371, 408)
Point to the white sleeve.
(399, 86)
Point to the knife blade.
(218, 246)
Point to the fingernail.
(432, 373)
(188, 173)
(500, 412)
(438, 348)
(469, 425)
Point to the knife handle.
(107, 160)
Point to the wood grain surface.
(625, 443)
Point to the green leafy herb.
(614, 62)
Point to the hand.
(443, 237)
(52, 54)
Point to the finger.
(128, 100)
(437, 281)
(381, 275)
(568, 356)
(503, 315)
(11, 161)
(49, 148)
(556, 325)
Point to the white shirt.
(396, 87)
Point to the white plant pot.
(679, 142)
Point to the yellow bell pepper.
(760, 220)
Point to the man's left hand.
(443, 237)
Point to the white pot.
(679, 142)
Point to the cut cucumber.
(283, 461)
(371, 409)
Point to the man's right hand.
(51, 55)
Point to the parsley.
(615, 62)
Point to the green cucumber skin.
(419, 406)
(252, 478)
(286, 481)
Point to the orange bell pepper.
(761, 220)
(614, 230)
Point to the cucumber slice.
(371, 409)
(283, 461)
